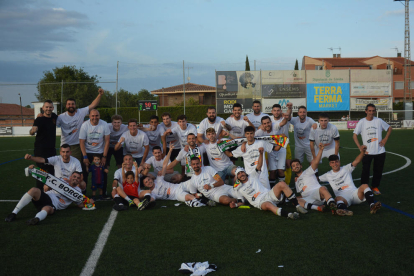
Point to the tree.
(247, 64)
(144, 94)
(28, 106)
(50, 85)
(296, 65)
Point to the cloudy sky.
(150, 39)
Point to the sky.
(151, 39)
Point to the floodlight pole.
(61, 98)
(184, 85)
(21, 108)
(116, 89)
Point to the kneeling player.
(250, 188)
(313, 194)
(129, 190)
(161, 189)
(46, 202)
(340, 179)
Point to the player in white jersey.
(251, 154)
(46, 202)
(326, 134)
(116, 128)
(276, 159)
(63, 164)
(250, 187)
(313, 194)
(237, 123)
(185, 155)
(161, 189)
(302, 126)
(168, 124)
(277, 118)
(218, 160)
(71, 121)
(207, 181)
(156, 161)
(135, 142)
(256, 116)
(154, 132)
(180, 132)
(340, 179)
(371, 129)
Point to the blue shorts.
(96, 186)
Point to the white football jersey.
(205, 177)
(164, 189)
(251, 156)
(94, 136)
(256, 120)
(340, 181)
(371, 132)
(71, 125)
(307, 182)
(181, 135)
(171, 138)
(134, 145)
(205, 124)
(114, 136)
(218, 160)
(237, 126)
(253, 190)
(301, 131)
(198, 151)
(325, 136)
(62, 169)
(157, 165)
(59, 201)
(285, 129)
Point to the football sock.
(282, 213)
(26, 199)
(341, 205)
(272, 183)
(281, 179)
(292, 198)
(127, 198)
(310, 206)
(329, 201)
(369, 196)
(41, 215)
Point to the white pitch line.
(90, 265)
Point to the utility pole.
(188, 73)
(21, 108)
(184, 85)
(116, 89)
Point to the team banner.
(327, 97)
(232, 144)
(296, 102)
(283, 76)
(327, 76)
(226, 105)
(56, 184)
(371, 76)
(380, 104)
(371, 89)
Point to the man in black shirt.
(45, 143)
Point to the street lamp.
(21, 108)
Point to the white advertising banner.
(343, 125)
(371, 76)
(268, 104)
(370, 89)
(327, 76)
(283, 76)
(380, 104)
(408, 123)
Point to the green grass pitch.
(157, 241)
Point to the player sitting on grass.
(129, 190)
(46, 202)
(313, 194)
(161, 189)
(97, 178)
(156, 161)
(250, 188)
(340, 179)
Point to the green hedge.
(195, 113)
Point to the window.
(318, 67)
(389, 67)
(399, 85)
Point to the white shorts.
(300, 154)
(180, 194)
(224, 190)
(314, 197)
(270, 197)
(351, 196)
(277, 160)
(326, 153)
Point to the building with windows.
(396, 64)
(15, 115)
(198, 93)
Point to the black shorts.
(174, 153)
(118, 154)
(43, 201)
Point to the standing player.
(117, 128)
(277, 118)
(371, 129)
(45, 142)
(71, 122)
(134, 142)
(256, 116)
(251, 154)
(46, 202)
(237, 123)
(154, 132)
(94, 140)
(250, 187)
(326, 134)
(302, 126)
(276, 159)
(186, 153)
(168, 124)
(313, 194)
(340, 179)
